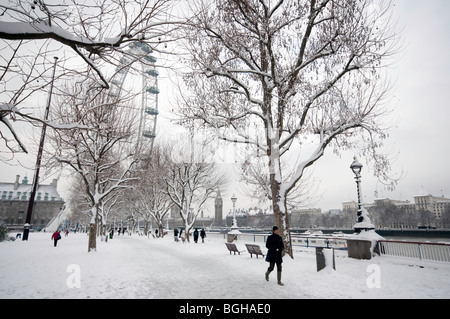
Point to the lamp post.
(27, 226)
(363, 221)
(234, 199)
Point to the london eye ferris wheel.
(149, 88)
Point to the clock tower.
(218, 210)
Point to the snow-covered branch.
(101, 156)
(309, 68)
(189, 184)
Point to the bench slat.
(254, 249)
(232, 248)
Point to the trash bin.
(324, 258)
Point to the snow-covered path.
(139, 267)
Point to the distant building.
(349, 206)
(14, 198)
(304, 217)
(241, 218)
(260, 218)
(335, 211)
(307, 211)
(173, 219)
(405, 205)
(406, 211)
(174, 212)
(435, 204)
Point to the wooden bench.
(254, 249)
(232, 248)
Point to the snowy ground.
(139, 267)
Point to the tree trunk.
(187, 225)
(146, 227)
(186, 234)
(92, 243)
(280, 213)
(187, 230)
(93, 225)
(160, 230)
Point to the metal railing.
(420, 250)
(406, 249)
(325, 242)
(247, 237)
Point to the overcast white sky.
(421, 136)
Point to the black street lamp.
(363, 221)
(27, 226)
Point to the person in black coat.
(203, 235)
(275, 247)
(196, 235)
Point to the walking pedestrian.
(275, 247)
(56, 236)
(196, 235)
(203, 235)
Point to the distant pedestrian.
(203, 235)
(56, 236)
(195, 235)
(118, 231)
(67, 232)
(275, 246)
(175, 234)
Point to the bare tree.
(100, 34)
(301, 72)
(445, 217)
(151, 197)
(77, 202)
(22, 76)
(257, 184)
(110, 206)
(103, 155)
(91, 30)
(191, 180)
